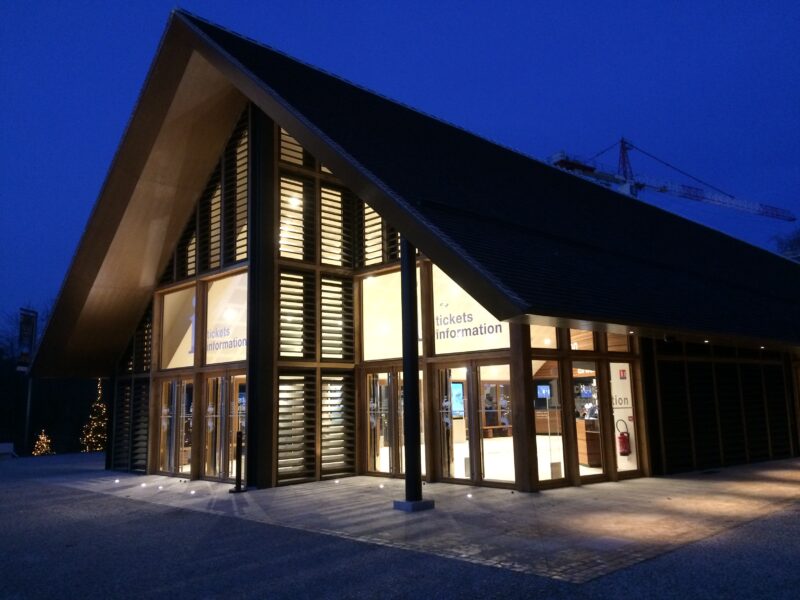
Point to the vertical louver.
(216, 234)
(297, 219)
(336, 322)
(139, 414)
(186, 252)
(296, 427)
(292, 152)
(338, 424)
(121, 428)
(775, 392)
(297, 315)
(210, 225)
(143, 343)
(332, 234)
(372, 238)
(235, 200)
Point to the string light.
(94, 434)
(42, 445)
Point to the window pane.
(461, 324)
(548, 420)
(543, 336)
(580, 339)
(177, 337)
(226, 326)
(624, 424)
(618, 342)
(497, 444)
(382, 327)
(587, 417)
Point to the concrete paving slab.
(573, 534)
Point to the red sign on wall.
(623, 373)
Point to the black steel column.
(260, 302)
(408, 296)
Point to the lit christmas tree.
(93, 437)
(42, 445)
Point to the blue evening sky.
(712, 87)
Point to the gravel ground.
(62, 542)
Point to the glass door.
(224, 415)
(380, 457)
(175, 434)
(497, 444)
(454, 421)
(623, 412)
(587, 418)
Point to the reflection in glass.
(212, 445)
(497, 447)
(543, 336)
(178, 329)
(618, 342)
(166, 447)
(421, 424)
(587, 417)
(454, 419)
(236, 416)
(623, 416)
(580, 339)
(548, 420)
(378, 397)
(185, 428)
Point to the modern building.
(240, 272)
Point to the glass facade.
(339, 328)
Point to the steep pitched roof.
(520, 236)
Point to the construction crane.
(624, 181)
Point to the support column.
(526, 462)
(260, 302)
(408, 295)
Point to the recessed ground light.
(469, 495)
(144, 485)
(337, 481)
(161, 487)
(381, 486)
(192, 492)
(705, 341)
(116, 481)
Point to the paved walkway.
(570, 534)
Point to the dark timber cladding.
(255, 194)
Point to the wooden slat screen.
(297, 315)
(775, 388)
(139, 416)
(675, 414)
(216, 233)
(755, 417)
(292, 152)
(297, 219)
(121, 427)
(371, 237)
(338, 424)
(186, 252)
(235, 200)
(296, 427)
(210, 225)
(730, 413)
(336, 320)
(336, 228)
(704, 414)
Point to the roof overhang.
(180, 124)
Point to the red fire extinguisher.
(623, 439)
